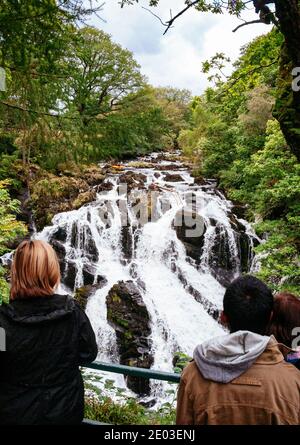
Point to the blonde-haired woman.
(48, 337)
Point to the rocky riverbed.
(147, 250)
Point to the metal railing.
(131, 371)
(135, 372)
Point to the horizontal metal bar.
(135, 372)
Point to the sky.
(175, 59)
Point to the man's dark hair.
(248, 305)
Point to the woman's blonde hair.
(35, 270)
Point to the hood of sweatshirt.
(38, 310)
(223, 359)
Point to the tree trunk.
(287, 107)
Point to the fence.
(134, 372)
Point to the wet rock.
(60, 252)
(148, 403)
(239, 210)
(104, 187)
(89, 246)
(82, 294)
(173, 178)
(127, 241)
(157, 175)
(245, 243)
(106, 213)
(168, 167)
(60, 234)
(222, 262)
(190, 229)
(133, 180)
(70, 273)
(133, 270)
(74, 235)
(128, 315)
(89, 272)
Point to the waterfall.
(181, 291)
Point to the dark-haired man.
(242, 377)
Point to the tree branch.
(155, 15)
(247, 74)
(248, 23)
(89, 117)
(170, 22)
(29, 110)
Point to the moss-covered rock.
(140, 164)
(51, 194)
(82, 294)
(128, 315)
(84, 198)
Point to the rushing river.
(169, 279)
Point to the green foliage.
(4, 289)
(76, 96)
(10, 228)
(234, 138)
(180, 361)
(120, 409)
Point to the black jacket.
(47, 339)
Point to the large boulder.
(222, 262)
(128, 315)
(190, 229)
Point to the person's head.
(248, 305)
(35, 270)
(286, 317)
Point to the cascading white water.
(92, 241)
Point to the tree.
(287, 17)
(175, 105)
(234, 139)
(101, 74)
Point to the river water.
(169, 279)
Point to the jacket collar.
(274, 353)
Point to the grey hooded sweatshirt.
(223, 359)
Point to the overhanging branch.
(248, 23)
